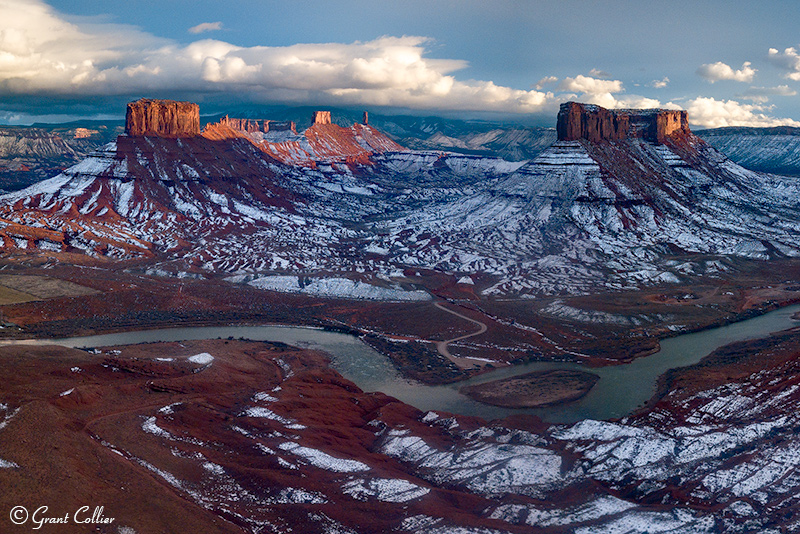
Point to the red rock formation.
(162, 118)
(669, 122)
(254, 125)
(324, 141)
(594, 123)
(245, 125)
(321, 117)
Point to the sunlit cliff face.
(582, 121)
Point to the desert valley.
(466, 343)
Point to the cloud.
(43, 54)
(547, 80)
(659, 84)
(610, 101)
(206, 27)
(604, 93)
(711, 113)
(597, 73)
(40, 51)
(788, 60)
(762, 94)
(714, 72)
(589, 85)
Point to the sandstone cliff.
(257, 125)
(321, 117)
(162, 118)
(245, 125)
(586, 121)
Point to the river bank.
(621, 390)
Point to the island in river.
(534, 390)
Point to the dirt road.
(441, 346)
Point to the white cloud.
(610, 101)
(714, 72)
(659, 84)
(711, 113)
(206, 27)
(604, 93)
(42, 53)
(788, 60)
(589, 85)
(547, 80)
(762, 94)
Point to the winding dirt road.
(441, 346)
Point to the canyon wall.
(162, 118)
(594, 123)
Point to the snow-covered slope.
(774, 150)
(28, 155)
(321, 143)
(582, 215)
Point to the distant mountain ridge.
(28, 155)
(775, 150)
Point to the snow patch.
(203, 358)
(384, 489)
(323, 460)
(336, 288)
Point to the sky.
(729, 63)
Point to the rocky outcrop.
(162, 118)
(365, 122)
(257, 125)
(245, 125)
(594, 123)
(322, 141)
(321, 117)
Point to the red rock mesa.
(587, 121)
(162, 118)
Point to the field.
(12, 296)
(18, 288)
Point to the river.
(620, 390)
